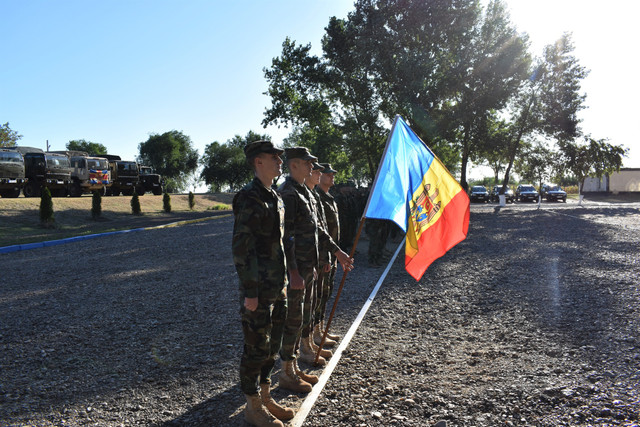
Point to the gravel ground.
(534, 320)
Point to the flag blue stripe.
(403, 167)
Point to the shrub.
(135, 204)
(192, 200)
(46, 207)
(166, 202)
(96, 205)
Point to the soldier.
(311, 308)
(301, 239)
(258, 254)
(332, 218)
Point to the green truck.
(50, 170)
(88, 173)
(124, 176)
(11, 173)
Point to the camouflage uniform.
(301, 239)
(258, 254)
(332, 221)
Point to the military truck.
(149, 181)
(88, 173)
(42, 169)
(124, 176)
(11, 173)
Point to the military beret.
(299, 153)
(263, 146)
(327, 168)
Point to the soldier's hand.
(296, 280)
(251, 304)
(345, 261)
(326, 268)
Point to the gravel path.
(534, 319)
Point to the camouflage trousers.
(296, 301)
(324, 290)
(263, 329)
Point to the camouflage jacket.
(331, 214)
(257, 247)
(301, 231)
(324, 250)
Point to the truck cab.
(51, 170)
(88, 173)
(11, 173)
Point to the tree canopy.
(8, 137)
(92, 148)
(172, 155)
(224, 166)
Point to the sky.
(116, 71)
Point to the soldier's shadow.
(225, 409)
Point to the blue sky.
(115, 71)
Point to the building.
(627, 180)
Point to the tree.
(8, 137)
(536, 164)
(225, 165)
(92, 148)
(549, 100)
(591, 158)
(172, 155)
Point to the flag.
(413, 189)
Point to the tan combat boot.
(290, 380)
(324, 353)
(330, 335)
(318, 332)
(278, 411)
(310, 378)
(307, 354)
(256, 414)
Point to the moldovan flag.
(414, 189)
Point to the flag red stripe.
(450, 229)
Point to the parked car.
(479, 194)
(555, 193)
(508, 194)
(526, 193)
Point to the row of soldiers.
(285, 251)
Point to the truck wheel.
(31, 189)
(115, 192)
(140, 190)
(157, 191)
(75, 190)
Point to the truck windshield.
(97, 164)
(132, 167)
(59, 161)
(6, 156)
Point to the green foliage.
(590, 158)
(135, 204)
(93, 148)
(225, 165)
(46, 207)
(171, 155)
(96, 204)
(192, 200)
(8, 137)
(536, 164)
(166, 202)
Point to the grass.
(20, 221)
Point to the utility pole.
(47, 145)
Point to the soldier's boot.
(310, 378)
(278, 411)
(290, 380)
(256, 414)
(307, 354)
(323, 353)
(330, 335)
(318, 332)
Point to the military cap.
(299, 153)
(262, 146)
(327, 168)
(317, 166)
